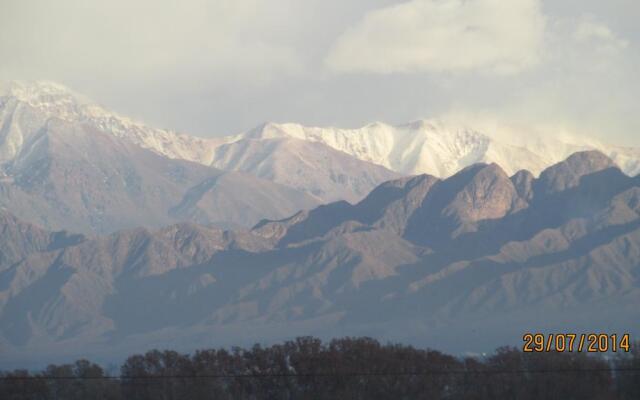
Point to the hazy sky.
(224, 66)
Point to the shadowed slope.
(474, 261)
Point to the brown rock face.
(523, 182)
(490, 194)
(567, 174)
(458, 204)
(20, 239)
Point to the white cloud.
(583, 86)
(223, 66)
(499, 36)
(148, 40)
(590, 31)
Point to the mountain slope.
(71, 176)
(20, 239)
(311, 167)
(464, 263)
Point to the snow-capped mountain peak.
(440, 148)
(58, 101)
(423, 146)
(27, 111)
(31, 104)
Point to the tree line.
(347, 368)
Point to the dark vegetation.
(350, 368)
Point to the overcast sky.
(221, 67)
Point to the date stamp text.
(575, 342)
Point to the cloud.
(584, 85)
(495, 36)
(219, 67)
(146, 40)
(590, 31)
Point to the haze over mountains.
(66, 163)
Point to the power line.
(321, 375)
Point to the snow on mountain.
(26, 106)
(69, 165)
(327, 163)
(435, 148)
(312, 167)
(75, 178)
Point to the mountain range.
(65, 171)
(69, 164)
(464, 264)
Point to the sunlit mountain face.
(420, 259)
